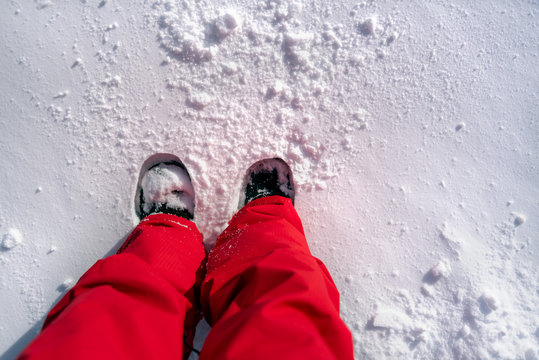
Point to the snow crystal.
(11, 239)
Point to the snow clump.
(11, 239)
(441, 269)
(184, 40)
(368, 26)
(225, 24)
(168, 184)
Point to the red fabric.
(265, 295)
(132, 305)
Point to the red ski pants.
(264, 294)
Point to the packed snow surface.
(410, 127)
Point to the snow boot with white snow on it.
(164, 187)
(267, 177)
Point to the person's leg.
(265, 295)
(143, 302)
(133, 305)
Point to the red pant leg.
(133, 305)
(266, 296)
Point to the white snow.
(200, 100)
(369, 26)
(441, 269)
(225, 24)
(391, 319)
(11, 238)
(66, 285)
(519, 219)
(410, 128)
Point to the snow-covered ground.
(411, 128)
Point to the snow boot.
(267, 177)
(164, 186)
